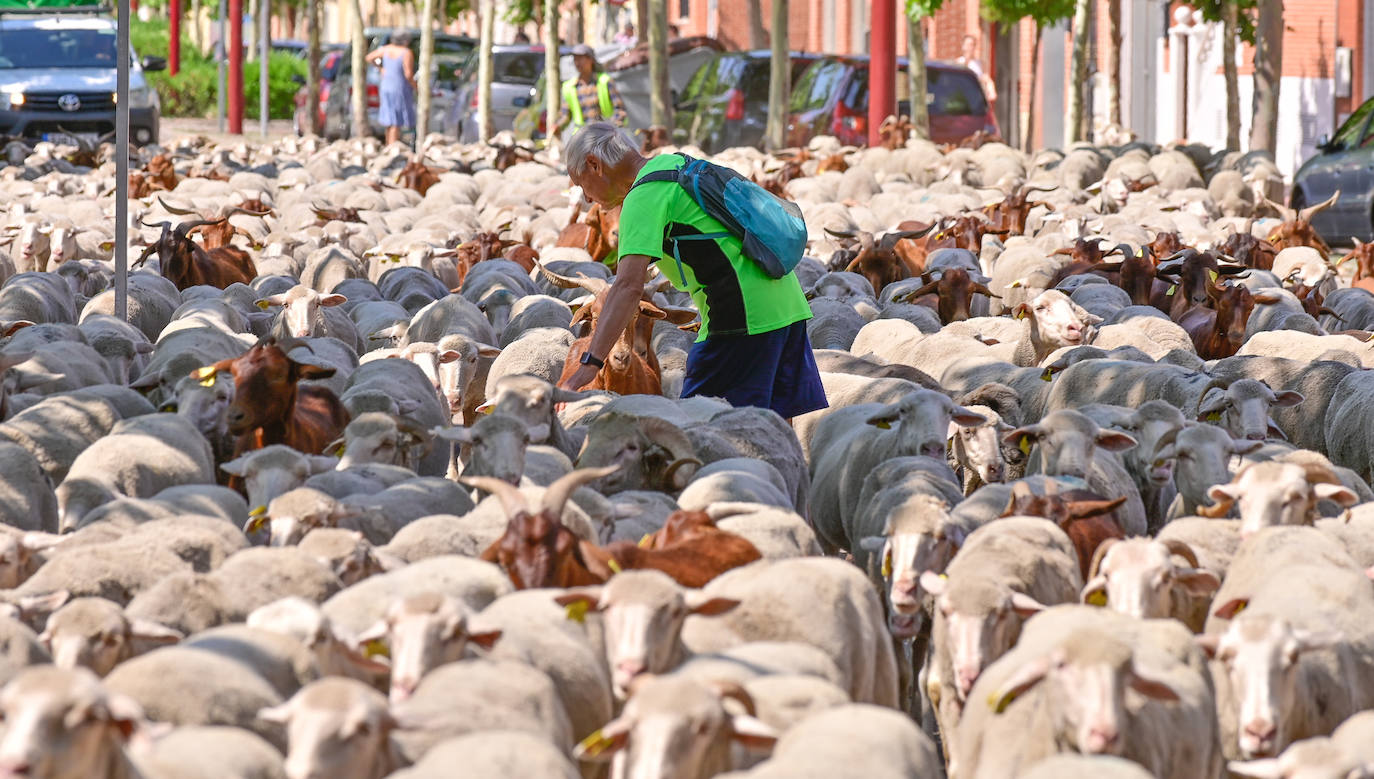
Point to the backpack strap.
(675, 176)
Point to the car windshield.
(55, 47)
(1349, 135)
(948, 93)
(816, 86)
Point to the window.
(1349, 135)
(523, 68)
(817, 85)
(41, 48)
(953, 93)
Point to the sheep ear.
(279, 714)
(884, 418)
(1151, 688)
(712, 607)
(933, 583)
(236, 466)
(1113, 441)
(1336, 493)
(1267, 768)
(1094, 592)
(1199, 582)
(968, 418)
(872, 543)
(485, 640)
(333, 300)
(1230, 608)
(1023, 437)
(1209, 644)
(1025, 606)
(752, 732)
(484, 350)
(321, 464)
(602, 744)
(1287, 398)
(143, 631)
(1244, 447)
(1025, 677)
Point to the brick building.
(1326, 73)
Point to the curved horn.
(1306, 214)
(1180, 548)
(736, 691)
(184, 229)
(594, 286)
(175, 210)
(557, 493)
(889, 240)
(1098, 554)
(512, 500)
(1216, 511)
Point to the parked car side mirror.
(298, 79)
(153, 64)
(1324, 142)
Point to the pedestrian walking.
(589, 96)
(970, 59)
(752, 349)
(396, 93)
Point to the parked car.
(516, 70)
(831, 98)
(629, 67)
(337, 73)
(300, 49)
(57, 77)
(1343, 162)
(726, 101)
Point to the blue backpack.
(771, 229)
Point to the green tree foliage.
(1043, 12)
(1212, 11)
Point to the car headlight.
(140, 97)
(16, 99)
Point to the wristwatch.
(588, 359)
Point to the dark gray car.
(1344, 163)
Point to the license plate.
(73, 139)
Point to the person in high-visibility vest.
(589, 97)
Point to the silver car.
(515, 71)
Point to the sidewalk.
(173, 128)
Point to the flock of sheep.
(1090, 499)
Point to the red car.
(831, 98)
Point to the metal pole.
(236, 67)
(121, 247)
(264, 53)
(174, 37)
(223, 51)
(882, 91)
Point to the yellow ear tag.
(255, 524)
(1047, 375)
(999, 705)
(646, 540)
(1239, 609)
(264, 305)
(887, 565)
(1213, 275)
(883, 425)
(577, 612)
(208, 381)
(1215, 416)
(1098, 598)
(594, 744)
(1172, 290)
(258, 511)
(1019, 315)
(1025, 445)
(208, 372)
(613, 565)
(376, 648)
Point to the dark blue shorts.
(770, 370)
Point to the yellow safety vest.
(603, 92)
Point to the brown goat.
(1011, 214)
(537, 549)
(689, 548)
(953, 294)
(1363, 255)
(1087, 518)
(596, 231)
(878, 260)
(187, 265)
(417, 176)
(215, 230)
(1218, 330)
(1298, 230)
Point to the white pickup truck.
(57, 76)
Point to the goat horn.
(1306, 214)
(1216, 511)
(1181, 548)
(588, 283)
(175, 210)
(1098, 554)
(557, 493)
(736, 691)
(512, 500)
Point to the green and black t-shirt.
(733, 294)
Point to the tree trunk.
(1114, 62)
(1264, 124)
(358, 103)
(660, 91)
(250, 31)
(1028, 134)
(196, 39)
(779, 79)
(312, 87)
(641, 19)
(1230, 12)
(424, 78)
(484, 64)
(1079, 81)
(553, 90)
(916, 77)
(758, 36)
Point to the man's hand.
(580, 378)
